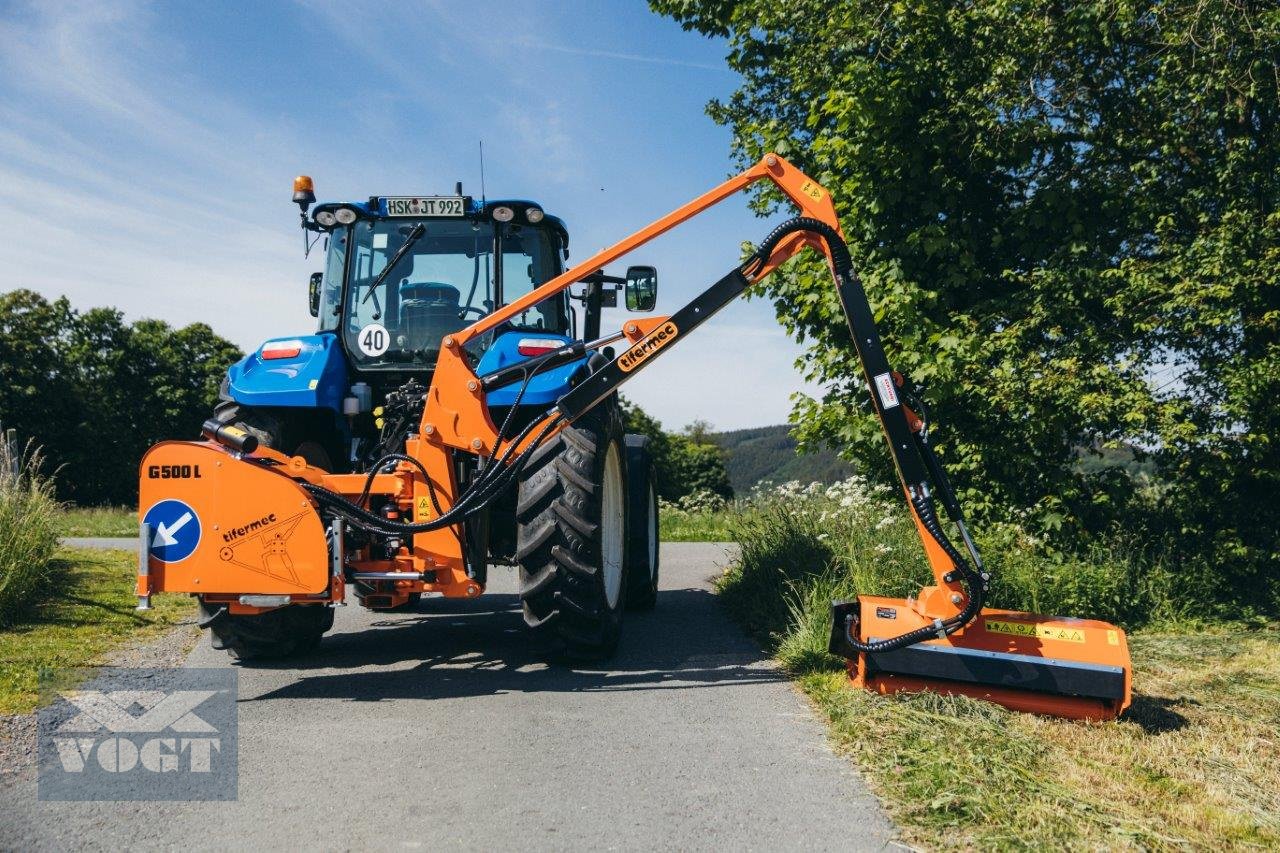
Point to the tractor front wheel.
(571, 535)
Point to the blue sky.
(146, 155)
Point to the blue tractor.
(400, 274)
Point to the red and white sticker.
(538, 346)
(373, 340)
(884, 387)
(281, 349)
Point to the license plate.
(431, 205)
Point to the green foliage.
(96, 392)
(105, 521)
(92, 613)
(28, 530)
(1066, 218)
(687, 463)
(812, 544)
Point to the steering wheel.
(480, 312)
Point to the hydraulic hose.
(475, 499)
(921, 501)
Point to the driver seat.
(429, 311)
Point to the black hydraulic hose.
(921, 501)
(531, 369)
(472, 501)
(479, 488)
(840, 257)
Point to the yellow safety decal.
(812, 190)
(1035, 629)
(233, 430)
(1113, 638)
(424, 509)
(311, 386)
(654, 341)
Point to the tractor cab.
(401, 273)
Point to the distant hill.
(768, 454)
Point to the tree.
(97, 392)
(684, 465)
(1065, 216)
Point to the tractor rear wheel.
(642, 525)
(295, 629)
(571, 535)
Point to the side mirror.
(313, 293)
(641, 288)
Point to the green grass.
(709, 526)
(1192, 764)
(98, 521)
(89, 610)
(28, 534)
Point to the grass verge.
(710, 526)
(88, 611)
(1192, 764)
(106, 521)
(28, 529)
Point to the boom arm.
(455, 414)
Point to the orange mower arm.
(455, 414)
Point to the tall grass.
(28, 529)
(801, 547)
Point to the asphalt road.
(443, 728)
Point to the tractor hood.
(303, 371)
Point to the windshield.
(446, 280)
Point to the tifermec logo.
(654, 341)
(138, 734)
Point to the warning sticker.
(884, 387)
(812, 190)
(1035, 629)
(423, 510)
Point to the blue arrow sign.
(175, 530)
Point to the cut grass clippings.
(1193, 764)
(88, 611)
(105, 521)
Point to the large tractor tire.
(571, 523)
(642, 525)
(291, 630)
